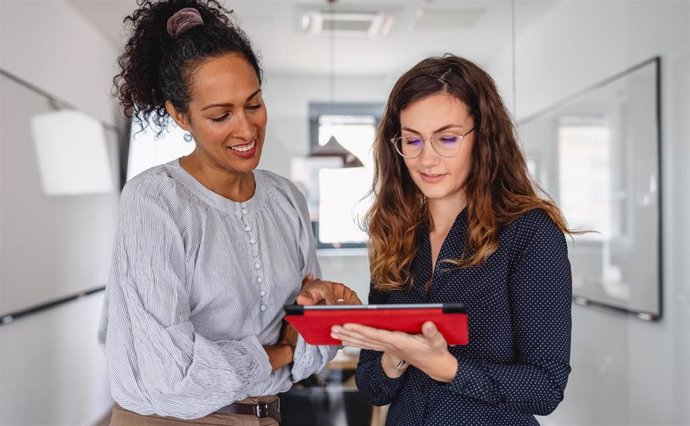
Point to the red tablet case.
(314, 322)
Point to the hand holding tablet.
(314, 322)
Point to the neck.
(235, 186)
(444, 212)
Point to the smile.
(244, 148)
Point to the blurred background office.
(600, 90)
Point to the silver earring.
(187, 137)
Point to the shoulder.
(533, 227)
(534, 221)
(281, 188)
(278, 182)
(284, 196)
(154, 186)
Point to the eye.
(221, 118)
(411, 140)
(254, 107)
(448, 139)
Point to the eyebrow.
(440, 129)
(229, 104)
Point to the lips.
(432, 178)
(246, 150)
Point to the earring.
(187, 137)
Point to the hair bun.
(183, 20)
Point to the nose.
(244, 129)
(428, 157)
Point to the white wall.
(51, 368)
(625, 371)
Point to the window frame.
(316, 110)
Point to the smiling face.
(226, 115)
(439, 178)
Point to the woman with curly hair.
(456, 218)
(208, 248)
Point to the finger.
(326, 292)
(351, 297)
(391, 339)
(307, 278)
(357, 342)
(338, 332)
(362, 345)
(430, 331)
(306, 299)
(369, 332)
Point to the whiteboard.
(598, 155)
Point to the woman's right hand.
(288, 335)
(317, 292)
(283, 352)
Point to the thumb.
(305, 299)
(429, 330)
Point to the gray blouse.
(197, 286)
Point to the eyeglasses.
(444, 144)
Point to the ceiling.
(479, 30)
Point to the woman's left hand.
(316, 291)
(427, 351)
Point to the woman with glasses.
(208, 248)
(457, 218)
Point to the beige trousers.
(122, 417)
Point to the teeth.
(243, 148)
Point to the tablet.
(314, 322)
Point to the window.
(338, 174)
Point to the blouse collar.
(216, 200)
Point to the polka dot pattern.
(518, 303)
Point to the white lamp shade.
(72, 153)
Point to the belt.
(260, 410)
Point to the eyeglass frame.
(399, 138)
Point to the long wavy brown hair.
(498, 189)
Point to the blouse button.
(263, 308)
(244, 211)
(262, 293)
(257, 265)
(253, 241)
(247, 228)
(259, 280)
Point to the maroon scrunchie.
(183, 20)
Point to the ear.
(179, 117)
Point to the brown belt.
(260, 410)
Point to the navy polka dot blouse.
(518, 303)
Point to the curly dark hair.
(156, 66)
